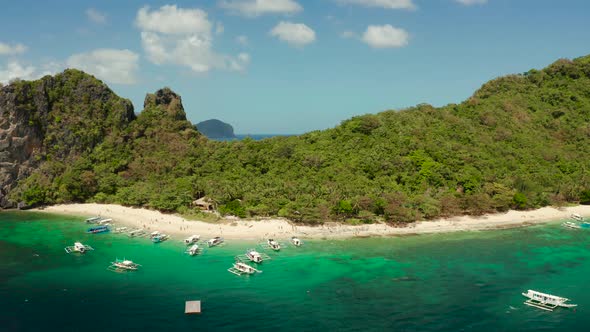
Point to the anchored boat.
(123, 265)
(570, 224)
(194, 250)
(215, 241)
(546, 301)
(78, 247)
(120, 230)
(296, 241)
(240, 268)
(160, 238)
(577, 217)
(98, 229)
(252, 256)
(274, 245)
(93, 220)
(136, 233)
(192, 239)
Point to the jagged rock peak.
(167, 100)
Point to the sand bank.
(281, 228)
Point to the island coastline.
(248, 229)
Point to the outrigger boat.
(253, 256)
(570, 224)
(93, 220)
(546, 301)
(215, 241)
(194, 250)
(160, 238)
(120, 230)
(136, 233)
(296, 241)
(274, 245)
(78, 247)
(577, 217)
(98, 229)
(192, 239)
(123, 265)
(240, 268)
(105, 221)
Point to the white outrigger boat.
(123, 265)
(240, 268)
(137, 233)
(296, 241)
(274, 245)
(106, 221)
(570, 224)
(546, 301)
(577, 217)
(215, 241)
(160, 237)
(252, 256)
(194, 250)
(78, 247)
(120, 230)
(93, 220)
(192, 239)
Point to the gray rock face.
(57, 118)
(21, 138)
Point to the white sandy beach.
(281, 229)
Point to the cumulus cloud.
(385, 36)
(111, 65)
(296, 34)
(13, 70)
(254, 8)
(16, 70)
(172, 35)
(7, 49)
(386, 4)
(96, 16)
(471, 2)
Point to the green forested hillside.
(521, 141)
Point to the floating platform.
(192, 307)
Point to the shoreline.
(176, 225)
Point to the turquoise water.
(450, 282)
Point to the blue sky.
(291, 66)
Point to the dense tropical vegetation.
(520, 142)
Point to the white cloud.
(172, 35)
(7, 49)
(111, 65)
(296, 34)
(95, 16)
(14, 70)
(242, 40)
(253, 8)
(471, 2)
(172, 20)
(385, 36)
(386, 4)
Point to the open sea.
(469, 281)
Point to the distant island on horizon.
(215, 128)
